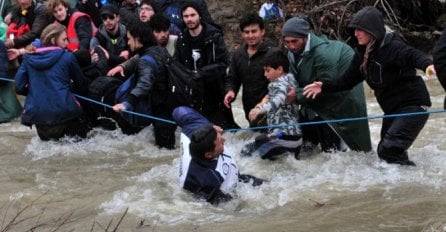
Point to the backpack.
(144, 105)
(183, 87)
(103, 89)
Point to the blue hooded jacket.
(46, 78)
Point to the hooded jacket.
(47, 78)
(325, 60)
(391, 67)
(114, 46)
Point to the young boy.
(280, 138)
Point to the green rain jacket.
(325, 59)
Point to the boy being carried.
(282, 138)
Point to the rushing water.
(83, 186)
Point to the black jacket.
(249, 72)
(211, 67)
(37, 20)
(391, 67)
(114, 45)
(439, 55)
(150, 82)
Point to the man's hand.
(254, 113)
(119, 107)
(13, 53)
(94, 57)
(312, 90)
(9, 43)
(430, 72)
(118, 69)
(229, 97)
(124, 54)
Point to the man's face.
(161, 37)
(295, 44)
(133, 42)
(24, 4)
(252, 34)
(110, 22)
(191, 18)
(60, 12)
(145, 12)
(219, 143)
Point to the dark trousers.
(164, 132)
(321, 134)
(75, 127)
(398, 134)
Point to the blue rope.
(265, 127)
(126, 111)
(340, 120)
(111, 107)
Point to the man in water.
(206, 170)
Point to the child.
(282, 138)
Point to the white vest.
(226, 166)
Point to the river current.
(88, 185)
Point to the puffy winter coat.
(48, 78)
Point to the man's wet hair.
(251, 19)
(275, 58)
(159, 22)
(142, 31)
(202, 140)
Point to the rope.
(111, 107)
(126, 111)
(265, 127)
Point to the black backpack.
(184, 87)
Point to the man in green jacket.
(317, 58)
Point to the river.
(88, 185)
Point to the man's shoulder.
(206, 174)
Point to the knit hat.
(296, 27)
(191, 4)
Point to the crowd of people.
(119, 53)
